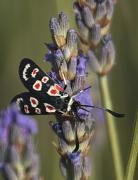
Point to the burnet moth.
(46, 96)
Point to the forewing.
(37, 81)
(31, 104)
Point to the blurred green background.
(24, 27)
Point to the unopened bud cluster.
(18, 157)
(69, 66)
(93, 18)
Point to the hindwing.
(31, 104)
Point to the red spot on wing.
(45, 79)
(34, 101)
(59, 88)
(53, 91)
(34, 72)
(49, 108)
(37, 85)
(26, 109)
(37, 111)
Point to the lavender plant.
(18, 156)
(69, 68)
(93, 18)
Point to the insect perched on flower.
(46, 96)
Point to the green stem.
(130, 170)
(113, 135)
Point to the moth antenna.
(80, 91)
(85, 89)
(113, 113)
(84, 109)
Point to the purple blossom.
(12, 115)
(82, 65)
(75, 158)
(17, 150)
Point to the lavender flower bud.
(68, 131)
(32, 170)
(64, 23)
(95, 34)
(88, 17)
(77, 172)
(67, 53)
(63, 166)
(108, 55)
(90, 124)
(68, 89)
(86, 167)
(9, 173)
(66, 148)
(15, 161)
(84, 145)
(92, 3)
(93, 61)
(57, 33)
(75, 159)
(105, 29)
(81, 130)
(81, 72)
(16, 135)
(83, 30)
(110, 9)
(72, 39)
(79, 82)
(100, 11)
(57, 128)
(72, 68)
(71, 49)
(61, 63)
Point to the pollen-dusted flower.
(86, 167)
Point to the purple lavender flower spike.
(16, 132)
(69, 69)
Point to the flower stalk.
(112, 131)
(131, 166)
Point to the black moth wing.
(31, 104)
(37, 81)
